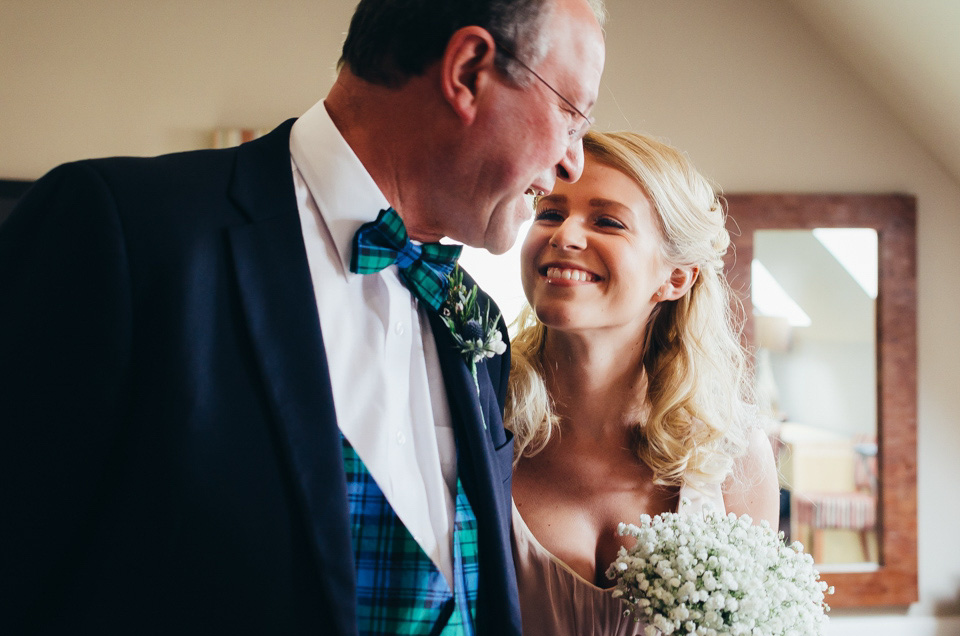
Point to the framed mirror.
(828, 287)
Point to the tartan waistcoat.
(399, 588)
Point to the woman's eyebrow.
(599, 202)
(553, 198)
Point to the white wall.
(742, 85)
(103, 77)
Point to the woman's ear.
(680, 281)
(469, 55)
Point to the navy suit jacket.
(170, 460)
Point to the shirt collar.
(343, 190)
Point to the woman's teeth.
(570, 274)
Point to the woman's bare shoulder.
(753, 486)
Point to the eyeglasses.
(575, 134)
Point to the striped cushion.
(848, 510)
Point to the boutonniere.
(477, 334)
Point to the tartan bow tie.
(423, 268)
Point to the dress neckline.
(532, 538)
(695, 496)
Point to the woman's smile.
(567, 275)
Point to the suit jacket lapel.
(279, 304)
(484, 457)
(473, 418)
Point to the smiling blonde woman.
(628, 386)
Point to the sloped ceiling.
(908, 51)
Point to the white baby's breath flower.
(716, 575)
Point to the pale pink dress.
(556, 601)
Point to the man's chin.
(501, 242)
(498, 248)
(505, 236)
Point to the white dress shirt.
(387, 388)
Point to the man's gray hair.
(390, 41)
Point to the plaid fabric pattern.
(423, 268)
(466, 567)
(399, 589)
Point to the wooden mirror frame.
(894, 582)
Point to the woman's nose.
(569, 235)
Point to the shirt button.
(401, 438)
(399, 328)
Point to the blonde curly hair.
(697, 404)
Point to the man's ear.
(468, 57)
(680, 281)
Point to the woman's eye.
(608, 222)
(548, 215)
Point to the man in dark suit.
(214, 418)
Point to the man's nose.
(570, 167)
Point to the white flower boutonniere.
(477, 334)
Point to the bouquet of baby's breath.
(717, 575)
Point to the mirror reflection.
(814, 305)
